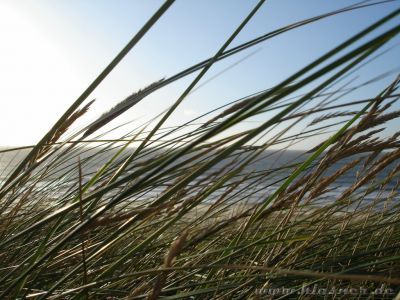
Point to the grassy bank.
(166, 212)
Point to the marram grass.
(198, 212)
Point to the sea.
(269, 163)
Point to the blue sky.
(51, 50)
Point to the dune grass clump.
(198, 212)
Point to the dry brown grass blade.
(63, 128)
(84, 264)
(120, 108)
(173, 252)
(382, 163)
